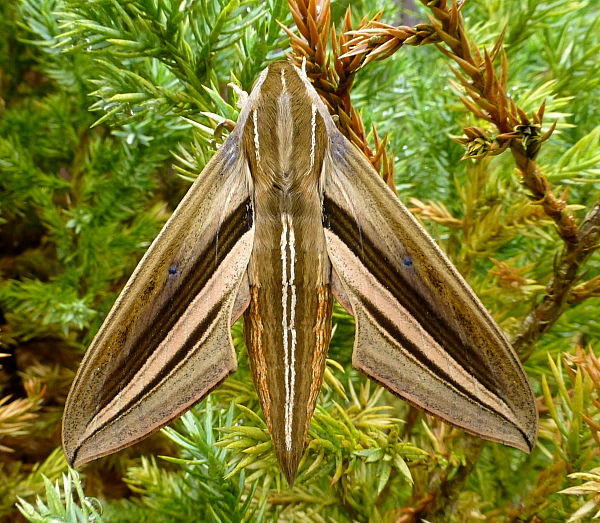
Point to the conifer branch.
(314, 31)
(486, 90)
(559, 291)
(487, 98)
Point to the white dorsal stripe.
(256, 142)
(292, 242)
(288, 321)
(284, 322)
(313, 136)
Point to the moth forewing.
(166, 342)
(287, 214)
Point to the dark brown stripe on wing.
(143, 343)
(178, 358)
(410, 296)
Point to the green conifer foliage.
(484, 116)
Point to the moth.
(286, 215)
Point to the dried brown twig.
(561, 289)
(485, 91)
(314, 31)
(486, 97)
